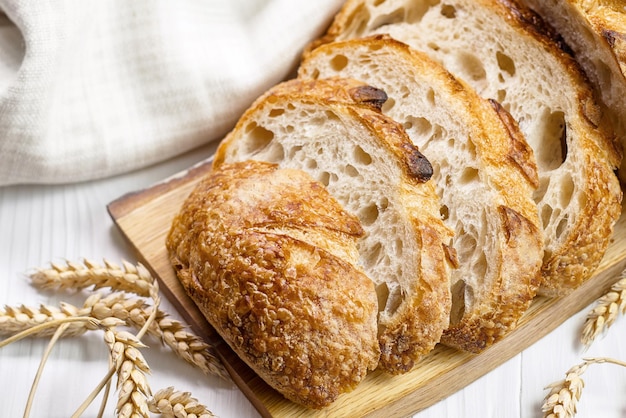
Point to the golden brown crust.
(301, 316)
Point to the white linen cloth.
(92, 88)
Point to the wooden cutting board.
(144, 217)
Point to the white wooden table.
(39, 224)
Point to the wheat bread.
(269, 257)
(334, 130)
(484, 173)
(507, 53)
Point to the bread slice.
(596, 32)
(484, 172)
(504, 52)
(334, 130)
(269, 258)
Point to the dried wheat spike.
(604, 314)
(130, 366)
(171, 403)
(74, 276)
(564, 395)
(172, 333)
(22, 318)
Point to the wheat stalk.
(130, 367)
(604, 314)
(132, 311)
(108, 312)
(171, 403)
(75, 276)
(564, 394)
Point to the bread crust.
(268, 257)
(417, 322)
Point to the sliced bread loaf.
(484, 173)
(507, 54)
(334, 130)
(269, 257)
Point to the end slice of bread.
(484, 172)
(269, 257)
(334, 130)
(507, 54)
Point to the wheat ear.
(171, 403)
(129, 311)
(604, 314)
(74, 276)
(564, 394)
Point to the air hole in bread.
(389, 104)
(417, 127)
(448, 11)
(293, 150)
(505, 63)
(566, 191)
(382, 293)
(471, 66)
(361, 157)
(394, 300)
(553, 150)
(562, 226)
(339, 62)
(351, 171)
(276, 112)
(397, 16)
(369, 214)
(546, 214)
(501, 97)
(458, 302)
(433, 46)
(444, 212)
(324, 178)
(430, 96)
(311, 164)
(468, 175)
(260, 137)
(389, 300)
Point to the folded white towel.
(92, 88)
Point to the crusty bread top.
(269, 258)
(333, 130)
(502, 51)
(484, 171)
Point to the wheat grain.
(606, 311)
(130, 366)
(75, 276)
(171, 403)
(564, 394)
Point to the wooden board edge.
(128, 202)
